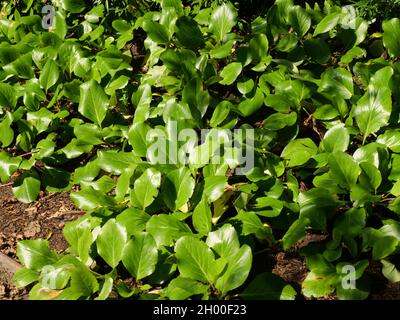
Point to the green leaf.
(8, 96)
(245, 86)
(327, 23)
(268, 286)
(35, 254)
(177, 188)
(183, 288)
(166, 228)
(278, 121)
(343, 169)
(295, 232)
(27, 187)
(93, 102)
(391, 139)
(350, 224)
(258, 47)
(116, 162)
(106, 289)
(90, 198)
(194, 259)
(24, 277)
(360, 292)
(337, 82)
(145, 188)
(224, 241)
(239, 265)
(111, 242)
(220, 113)
(230, 73)
(336, 138)
(83, 282)
(214, 187)
(317, 204)
(318, 50)
(140, 255)
(251, 104)
(299, 20)
(384, 246)
(372, 111)
(156, 31)
(390, 271)
(6, 132)
(371, 176)
(202, 217)
(197, 97)
(299, 151)
(49, 75)
(319, 285)
(79, 236)
(391, 36)
(188, 33)
(137, 138)
(133, 219)
(40, 119)
(252, 224)
(222, 20)
(141, 99)
(73, 6)
(8, 165)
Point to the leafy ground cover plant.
(83, 97)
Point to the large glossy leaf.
(336, 138)
(317, 205)
(156, 31)
(93, 102)
(299, 151)
(8, 165)
(111, 242)
(373, 110)
(337, 82)
(300, 20)
(35, 254)
(8, 98)
(239, 265)
(195, 260)
(6, 132)
(145, 188)
(165, 229)
(343, 169)
(224, 241)
(49, 75)
(202, 217)
(27, 187)
(327, 23)
(391, 36)
(230, 73)
(140, 255)
(189, 33)
(177, 188)
(182, 288)
(223, 18)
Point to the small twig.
(7, 184)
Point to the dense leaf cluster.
(320, 92)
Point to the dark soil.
(43, 219)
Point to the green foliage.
(82, 103)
